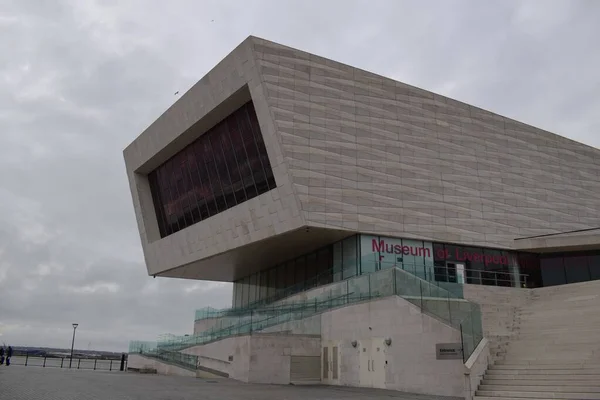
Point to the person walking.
(1, 355)
(9, 352)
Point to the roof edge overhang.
(582, 240)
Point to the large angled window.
(223, 168)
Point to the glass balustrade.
(438, 302)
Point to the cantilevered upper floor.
(277, 152)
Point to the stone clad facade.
(363, 216)
(352, 151)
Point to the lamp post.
(73, 344)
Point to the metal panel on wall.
(305, 369)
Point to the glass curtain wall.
(563, 268)
(301, 273)
(226, 166)
(445, 263)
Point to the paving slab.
(37, 383)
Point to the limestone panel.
(413, 163)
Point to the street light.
(73, 344)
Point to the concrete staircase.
(555, 350)
(500, 307)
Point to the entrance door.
(455, 272)
(460, 273)
(372, 363)
(330, 368)
(365, 377)
(378, 363)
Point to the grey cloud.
(80, 80)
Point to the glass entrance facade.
(448, 265)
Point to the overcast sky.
(79, 80)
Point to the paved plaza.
(36, 383)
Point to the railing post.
(26, 358)
(421, 294)
(449, 309)
(462, 342)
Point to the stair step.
(535, 395)
(529, 355)
(550, 367)
(584, 330)
(588, 349)
(525, 325)
(511, 398)
(516, 380)
(555, 340)
(541, 388)
(536, 371)
(556, 397)
(545, 362)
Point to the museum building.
(284, 172)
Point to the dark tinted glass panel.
(289, 274)
(576, 269)
(529, 265)
(496, 267)
(594, 265)
(272, 282)
(324, 265)
(160, 212)
(253, 287)
(474, 267)
(213, 175)
(281, 270)
(311, 269)
(224, 167)
(300, 272)
(553, 271)
(349, 257)
(337, 262)
(244, 291)
(262, 290)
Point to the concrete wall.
(216, 355)
(412, 364)
(271, 355)
(411, 358)
(137, 361)
(259, 358)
